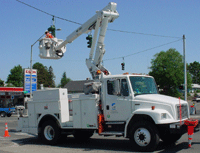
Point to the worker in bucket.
(48, 34)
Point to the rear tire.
(51, 132)
(144, 136)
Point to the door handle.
(107, 107)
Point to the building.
(11, 96)
(195, 87)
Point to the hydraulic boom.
(55, 48)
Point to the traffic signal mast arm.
(100, 20)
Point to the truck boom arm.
(99, 20)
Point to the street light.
(31, 64)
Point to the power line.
(142, 33)
(143, 50)
(81, 24)
(49, 13)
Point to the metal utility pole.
(185, 68)
(32, 64)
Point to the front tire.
(144, 136)
(51, 132)
(9, 115)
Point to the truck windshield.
(143, 85)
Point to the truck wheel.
(170, 138)
(83, 135)
(9, 115)
(144, 136)
(3, 114)
(50, 132)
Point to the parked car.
(4, 111)
(197, 98)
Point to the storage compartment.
(85, 111)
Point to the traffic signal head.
(89, 38)
(52, 29)
(181, 87)
(123, 64)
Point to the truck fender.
(152, 116)
(45, 117)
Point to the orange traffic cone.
(191, 124)
(190, 133)
(6, 131)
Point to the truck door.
(118, 101)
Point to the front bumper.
(178, 127)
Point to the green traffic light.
(52, 29)
(89, 38)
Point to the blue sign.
(27, 87)
(34, 80)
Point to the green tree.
(194, 69)
(167, 69)
(1, 83)
(42, 74)
(51, 77)
(16, 76)
(64, 80)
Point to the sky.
(21, 26)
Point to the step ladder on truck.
(126, 105)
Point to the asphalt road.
(25, 143)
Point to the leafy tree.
(51, 77)
(167, 69)
(42, 74)
(64, 80)
(45, 75)
(1, 83)
(16, 76)
(194, 69)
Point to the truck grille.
(184, 111)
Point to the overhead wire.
(142, 33)
(142, 51)
(49, 13)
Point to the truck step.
(117, 133)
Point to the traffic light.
(52, 29)
(123, 64)
(181, 87)
(89, 38)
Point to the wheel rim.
(49, 132)
(142, 137)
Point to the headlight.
(163, 116)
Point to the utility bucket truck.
(126, 105)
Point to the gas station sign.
(27, 80)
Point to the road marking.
(26, 134)
(8, 121)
